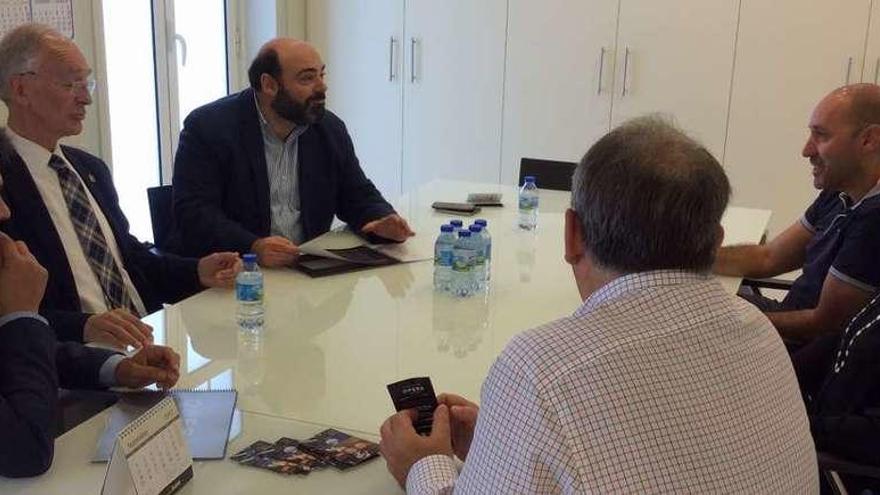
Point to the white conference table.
(332, 344)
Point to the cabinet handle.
(848, 68)
(625, 70)
(601, 67)
(412, 60)
(876, 69)
(391, 43)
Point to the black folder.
(356, 258)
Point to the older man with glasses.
(101, 278)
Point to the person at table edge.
(266, 169)
(101, 278)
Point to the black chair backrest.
(160, 213)
(548, 174)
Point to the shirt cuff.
(807, 225)
(107, 374)
(851, 281)
(432, 474)
(22, 314)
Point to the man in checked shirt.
(661, 382)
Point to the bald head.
(859, 104)
(282, 55)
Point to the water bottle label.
(446, 257)
(249, 292)
(463, 261)
(528, 203)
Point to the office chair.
(766, 283)
(549, 174)
(161, 212)
(843, 476)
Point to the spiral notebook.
(206, 415)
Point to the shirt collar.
(848, 202)
(267, 129)
(873, 192)
(35, 156)
(637, 282)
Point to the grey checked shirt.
(660, 383)
(282, 163)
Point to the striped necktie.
(91, 237)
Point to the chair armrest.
(829, 462)
(767, 283)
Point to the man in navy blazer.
(33, 364)
(266, 169)
(46, 85)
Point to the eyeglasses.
(79, 85)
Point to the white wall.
(254, 22)
(292, 18)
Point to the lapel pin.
(91, 178)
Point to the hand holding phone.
(418, 394)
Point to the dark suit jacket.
(221, 185)
(845, 413)
(29, 384)
(157, 278)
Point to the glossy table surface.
(330, 345)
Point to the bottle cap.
(446, 228)
(482, 222)
(475, 228)
(456, 223)
(464, 233)
(249, 257)
(529, 178)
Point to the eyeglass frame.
(89, 84)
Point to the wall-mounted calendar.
(55, 13)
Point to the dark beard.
(291, 110)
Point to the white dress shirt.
(660, 383)
(282, 164)
(91, 297)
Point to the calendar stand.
(150, 456)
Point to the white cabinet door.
(790, 53)
(871, 71)
(555, 103)
(361, 42)
(676, 57)
(453, 90)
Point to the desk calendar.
(150, 456)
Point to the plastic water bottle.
(444, 251)
(487, 240)
(457, 225)
(463, 265)
(479, 244)
(528, 204)
(249, 295)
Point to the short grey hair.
(19, 50)
(649, 198)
